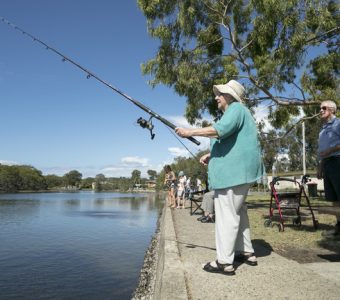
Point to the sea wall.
(162, 275)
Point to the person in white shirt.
(180, 189)
(199, 185)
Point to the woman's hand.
(204, 160)
(183, 132)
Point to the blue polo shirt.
(329, 136)
(235, 157)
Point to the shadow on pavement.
(261, 247)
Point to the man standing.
(329, 155)
(234, 163)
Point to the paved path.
(188, 244)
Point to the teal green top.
(235, 157)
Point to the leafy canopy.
(284, 52)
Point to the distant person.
(169, 181)
(199, 187)
(208, 208)
(235, 163)
(188, 188)
(329, 156)
(181, 189)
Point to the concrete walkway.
(187, 244)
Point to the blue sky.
(56, 120)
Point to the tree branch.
(246, 46)
(301, 90)
(293, 126)
(321, 35)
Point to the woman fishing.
(234, 163)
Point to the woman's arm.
(206, 132)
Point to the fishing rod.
(147, 124)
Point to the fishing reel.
(146, 124)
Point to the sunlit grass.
(304, 236)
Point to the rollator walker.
(288, 201)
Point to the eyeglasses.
(323, 107)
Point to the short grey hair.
(330, 104)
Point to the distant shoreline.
(78, 190)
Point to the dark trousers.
(331, 177)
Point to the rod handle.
(194, 140)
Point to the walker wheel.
(297, 221)
(281, 228)
(267, 223)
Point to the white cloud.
(8, 162)
(261, 115)
(135, 160)
(127, 165)
(176, 151)
(181, 121)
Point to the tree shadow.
(330, 257)
(331, 244)
(262, 248)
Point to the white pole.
(303, 149)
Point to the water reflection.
(72, 202)
(74, 245)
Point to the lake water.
(81, 245)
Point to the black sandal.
(226, 269)
(208, 219)
(249, 259)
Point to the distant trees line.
(27, 178)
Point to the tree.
(264, 43)
(9, 178)
(100, 177)
(73, 178)
(135, 176)
(87, 182)
(152, 174)
(53, 181)
(31, 178)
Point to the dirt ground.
(302, 243)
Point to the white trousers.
(232, 223)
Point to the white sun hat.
(233, 88)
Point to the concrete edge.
(170, 276)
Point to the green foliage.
(10, 180)
(73, 178)
(135, 176)
(152, 174)
(31, 179)
(86, 183)
(16, 178)
(266, 42)
(54, 181)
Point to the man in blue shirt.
(329, 154)
(234, 163)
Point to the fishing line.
(175, 135)
(142, 122)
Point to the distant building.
(151, 184)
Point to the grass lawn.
(301, 243)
